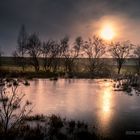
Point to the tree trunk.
(119, 69)
(35, 64)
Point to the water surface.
(93, 101)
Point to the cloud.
(56, 18)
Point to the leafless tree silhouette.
(34, 50)
(19, 54)
(12, 107)
(137, 56)
(120, 51)
(47, 54)
(94, 49)
(70, 53)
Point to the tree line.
(94, 48)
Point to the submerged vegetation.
(129, 84)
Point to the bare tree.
(64, 45)
(94, 49)
(19, 54)
(70, 53)
(12, 107)
(50, 51)
(137, 56)
(34, 50)
(54, 57)
(120, 51)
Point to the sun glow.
(107, 32)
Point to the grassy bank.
(29, 73)
(9, 68)
(53, 128)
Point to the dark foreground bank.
(55, 128)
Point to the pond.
(92, 101)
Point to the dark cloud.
(56, 18)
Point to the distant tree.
(137, 56)
(70, 53)
(55, 55)
(45, 52)
(64, 45)
(34, 50)
(78, 44)
(120, 51)
(12, 107)
(19, 54)
(94, 49)
(49, 53)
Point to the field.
(9, 66)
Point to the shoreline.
(51, 75)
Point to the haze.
(55, 19)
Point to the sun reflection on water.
(106, 102)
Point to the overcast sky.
(57, 18)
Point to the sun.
(107, 32)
